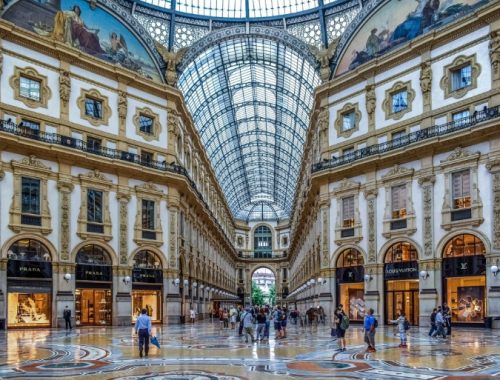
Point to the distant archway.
(263, 287)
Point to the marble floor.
(202, 351)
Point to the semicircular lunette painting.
(397, 22)
(93, 31)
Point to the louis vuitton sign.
(350, 274)
(464, 266)
(401, 271)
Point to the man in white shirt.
(192, 315)
(248, 322)
(143, 328)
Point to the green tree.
(257, 294)
(272, 295)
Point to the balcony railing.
(9, 126)
(409, 139)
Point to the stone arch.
(155, 250)
(22, 236)
(258, 266)
(391, 242)
(111, 252)
(252, 234)
(450, 235)
(339, 250)
(182, 264)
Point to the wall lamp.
(424, 274)
(67, 277)
(176, 282)
(126, 280)
(186, 282)
(321, 281)
(494, 269)
(195, 284)
(202, 286)
(368, 277)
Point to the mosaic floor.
(203, 352)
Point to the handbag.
(333, 332)
(154, 341)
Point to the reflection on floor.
(202, 351)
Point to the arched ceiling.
(250, 98)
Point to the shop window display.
(350, 283)
(93, 307)
(149, 300)
(29, 310)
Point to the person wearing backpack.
(403, 327)
(342, 323)
(370, 326)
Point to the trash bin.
(488, 322)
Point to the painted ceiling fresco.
(91, 30)
(397, 22)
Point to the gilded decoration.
(96, 95)
(156, 128)
(172, 59)
(458, 160)
(65, 188)
(30, 73)
(446, 80)
(33, 168)
(94, 180)
(148, 191)
(387, 104)
(494, 47)
(339, 122)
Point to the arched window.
(464, 245)
(263, 242)
(28, 250)
(147, 260)
(350, 258)
(400, 252)
(93, 255)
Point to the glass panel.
(94, 206)
(146, 124)
(350, 258)
(29, 309)
(461, 78)
(348, 212)
(464, 245)
(93, 307)
(402, 296)
(30, 197)
(348, 121)
(94, 144)
(352, 297)
(461, 189)
(466, 298)
(93, 108)
(29, 88)
(30, 127)
(399, 101)
(92, 255)
(398, 201)
(400, 252)
(146, 260)
(149, 300)
(28, 249)
(148, 214)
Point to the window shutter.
(348, 208)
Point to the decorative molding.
(148, 191)
(122, 110)
(494, 49)
(387, 103)
(427, 184)
(323, 56)
(172, 59)
(371, 198)
(371, 102)
(64, 87)
(325, 257)
(426, 82)
(347, 108)
(106, 109)
(458, 62)
(156, 128)
(31, 73)
(323, 126)
(123, 199)
(397, 173)
(493, 166)
(65, 188)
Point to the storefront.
(464, 279)
(93, 294)
(350, 284)
(29, 285)
(147, 286)
(401, 282)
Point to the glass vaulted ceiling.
(250, 99)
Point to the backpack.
(406, 325)
(344, 324)
(375, 323)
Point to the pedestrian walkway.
(203, 351)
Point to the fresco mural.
(399, 21)
(93, 31)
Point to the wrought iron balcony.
(409, 139)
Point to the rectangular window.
(146, 157)
(146, 124)
(398, 195)
(398, 135)
(461, 78)
(148, 214)
(29, 88)
(348, 121)
(94, 206)
(30, 127)
(30, 188)
(399, 101)
(461, 189)
(94, 144)
(93, 108)
(461, 118)
(348, 212)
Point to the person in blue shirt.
(369, 326)
(143, 328)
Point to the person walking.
(370, 326)
(433, 322)
(440, 324)
(261, 325)
(447, 318)
(143, 329)
(232, 314)
(267, 312)
(67, 317)
(192, 315)
(341, 323)
(241, 311)
(403, 326)
(276, 317)
(248, 322)
(284, 320)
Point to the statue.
(494, 47)
(122, 105)
(425, 77)
(370, 100)
(64, 86)
(172, 60)
(323, 56)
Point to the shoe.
(343, 350)
(338, 349)
(246, 341)
(140, 354)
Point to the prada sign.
(350, 274)
(85, 272)
(29, 269)
(407, 270)
(150, 276)
(464, 266)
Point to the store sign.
(93, 272)
(151, 276)
(350, 274)
(401, 271)
(464, 266)
(29, 269)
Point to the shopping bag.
(333, 332)
(154, 341)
